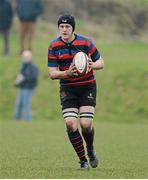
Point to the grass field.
(41, 150)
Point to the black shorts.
(77, 96)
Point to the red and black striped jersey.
(60, 54)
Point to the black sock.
(77, 142)
(88, 135)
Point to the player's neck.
(70, 39)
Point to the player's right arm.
(55, 73)
(53, 67)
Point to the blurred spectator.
(26, 81)
(28, 11)
(6, 16)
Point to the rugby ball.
(80, 60)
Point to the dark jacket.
(6, 14)
(30, 72)
(29, 10)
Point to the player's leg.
(87, 109)
(86, 122)
(70, 114)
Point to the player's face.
(66, 32)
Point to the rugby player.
(77, 93)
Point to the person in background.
(28, 12)
(77, 93)
(6, 16)
(27, 81)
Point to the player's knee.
(86, 124)
(86, 120)
(71, 126)
(70, 118)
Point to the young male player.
(77, 93)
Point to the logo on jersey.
(90, 96)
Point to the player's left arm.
(97, 65)
(95, 61)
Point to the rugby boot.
(93, 160)
(84, 165)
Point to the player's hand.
(90, 63)
(72, 71)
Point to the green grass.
(42, 150)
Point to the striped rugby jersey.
(60, 54)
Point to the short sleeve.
(93, 51)
(52, 59)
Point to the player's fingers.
(75, 74)
(89, 60)
(74, 71)
(74, 68)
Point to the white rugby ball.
(81, 62)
